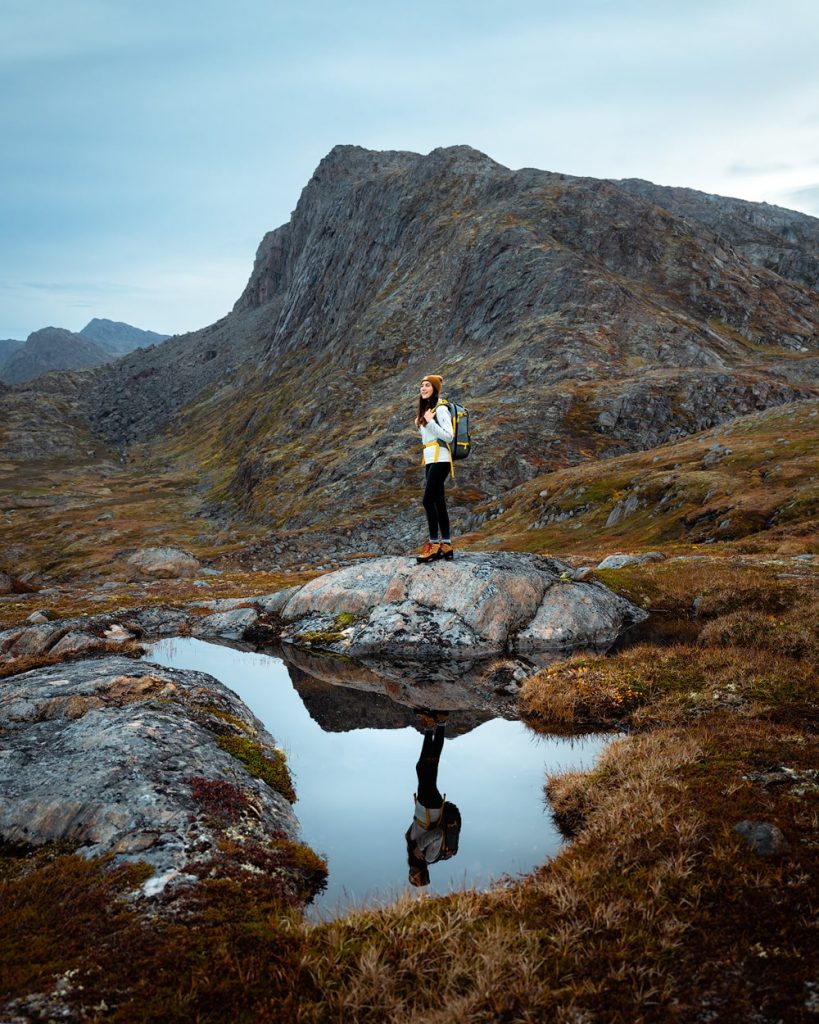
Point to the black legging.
(435, 501)
(427, 768)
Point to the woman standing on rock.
(435, 424)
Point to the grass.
(761, 496)
(656, 911)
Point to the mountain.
(54, 348)
(51, 348)
(7, 347)
(118, 337)
(577, 318)
(781, 240)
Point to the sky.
(146, 146)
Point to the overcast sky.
(147, 145)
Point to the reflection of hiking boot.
(445, 551)
(429, 552)
(425, 720)
(441, 717)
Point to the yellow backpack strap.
(443, 401)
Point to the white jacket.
(440, 430)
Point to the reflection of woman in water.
(425, 836)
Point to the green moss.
(272, 770)
(328, 636)
(225, 716)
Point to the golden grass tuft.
(646, 684)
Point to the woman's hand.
(429, 415)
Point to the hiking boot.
(446, 551)
(425, 721)
(429, 552)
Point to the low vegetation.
(658, 910)
(270, 768)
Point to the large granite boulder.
(477, 605)
(163, 564)
(124, 758)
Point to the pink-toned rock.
(478, 604)
(74, 643)
(576, 615)
(38, 639)
(352, 590)
(163, 564)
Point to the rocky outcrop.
(478, 605)
(163, 564)
(43, 420)
(123, 758)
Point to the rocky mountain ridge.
(55, 348)
(52, 348)
(781, 240)
(118, 337)
(577, 318)
(7, 347)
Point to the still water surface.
(355, 788)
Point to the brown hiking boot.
(429, 552)
(446, 551)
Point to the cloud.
(805, 199)
(745, 169)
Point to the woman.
(435, 425)
(425, 835)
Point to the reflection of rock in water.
(341, 694)
(342, 709)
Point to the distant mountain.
(52, 348)
(118, 337)
(7, 347)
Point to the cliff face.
(575, 317)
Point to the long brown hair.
(426, 403)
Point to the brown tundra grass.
(657, 911)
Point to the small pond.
(355, 782)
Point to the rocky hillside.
(781, 240)
(577, 318)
